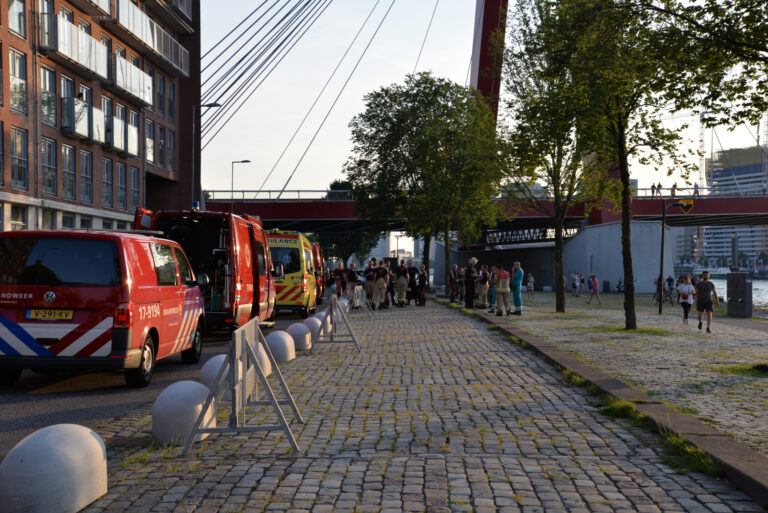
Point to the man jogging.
(705, 289)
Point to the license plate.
(50, 315)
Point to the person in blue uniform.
(516, 282)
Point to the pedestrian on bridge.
(653, 190)
(517, 280)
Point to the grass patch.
(518, 342)
(617, 408)
(639, 331)
(573, 378)
(684, 457)
(493, 327)
(759, 370)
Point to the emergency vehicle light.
(122, 316)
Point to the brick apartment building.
(96, 110)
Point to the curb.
(743, 467)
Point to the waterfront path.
(705, 375)
(437, 413)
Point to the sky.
(263, 126)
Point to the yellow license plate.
(50, 315)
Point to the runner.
(705, 289)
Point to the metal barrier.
(332, 337)
(240, 358)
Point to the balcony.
(67, 44)
(130, 81)
(98, 126)
(176, 13)
(76, 118)
(162, 49)
(92, 7)
(118, 134)
(132, 140)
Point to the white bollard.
(344, 304)
(302, 338)
(211, 369)
(314, 324)
(281, 345)
(60, 468)
(176, 409)
(325, 323)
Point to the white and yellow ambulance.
(297, 289)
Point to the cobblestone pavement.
(696, 372)
(438, 413)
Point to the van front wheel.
(138, 378)
(193, 354)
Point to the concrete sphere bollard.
(266, 365)
(325, 323)
(176, 409)
(211, 369)
(314, 324)
(302, 338)
(281, 345)
(58, 468)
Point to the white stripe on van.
(38, 330)
(15, 343)
(103, 350)
(91, 335)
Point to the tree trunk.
(447, 253)
(425, 257)
(630, 319)
(559, 265)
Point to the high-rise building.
(95, 106)
(382, 249)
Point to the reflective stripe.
(22, 342)
(89, 336)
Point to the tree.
(426, 151)
(545, 105)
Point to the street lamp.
(232, 183)
(660, 285)
(194, 144)
(397, 245)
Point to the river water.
(759, 295)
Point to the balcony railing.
(118, 134)
(18, 94)
(75, 117)
(98, 126)
(95, 7)
(160, 43)
(77, 47)
(176, 13)
(132, 140)
(132, 80)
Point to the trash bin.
(739, 294)
(606, 286)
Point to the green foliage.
(757, 370)
(682, 456)
(618, 408)
(574, 379)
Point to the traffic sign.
(687, 205)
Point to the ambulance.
(296, 289)
(96, 300)
(319, 263)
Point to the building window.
(134, 187)
(121, 225)
(18, 217)
(67, 221)
(67, 87)
(134, 142)
(69, 16)
(18, 82)
(171, 150)
(68, 172)
(17, 20)
(106, 224)
(85, 94)
(85, 26)
(106, 107)
(160, 94)
(86, 223)
(161, 146)
(149, 71)
(106, 182)
(48, 96)
(49, 166)
(19, 169)
(171, 102)
(49, 220)
(149, 140)
(86, 177)
(122, 185)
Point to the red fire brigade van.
(319, 261)
(96, 300)
(233, 252)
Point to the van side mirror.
(203, 280)
(279, 271)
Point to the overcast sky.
(266, 122)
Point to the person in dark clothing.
(705, 291)
(453, 282)
(470, 275)
(340, 278)
(413, 272)
(351, 283)
(421, 286)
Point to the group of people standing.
(488, 287)
(384, 285)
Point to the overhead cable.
(425, 35)
(365, 50)
(220, 41)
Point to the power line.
(255, 85)
(231, 31)
(309, 111)
(365, 50)
(425, 35)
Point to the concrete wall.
(597, 249)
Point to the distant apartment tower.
(736, 172)
(95, 106)
(382, 249)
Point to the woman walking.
(685, 293)
(593, 289)
(531, 281)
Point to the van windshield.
(59, 262)
(289, 257)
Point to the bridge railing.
(690, 192)
(287, 195)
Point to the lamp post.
(194, 145)
(232, 183)
(660, 285)
(397, 245)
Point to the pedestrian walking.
(482, 287)
(516, 282)
(594, 291)
(531, 281)
(453, 283)
(575, 284)
(380, 285)
(470, 275)
(705, 290)
(502, 291)
(492, 289)
(686, 292)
